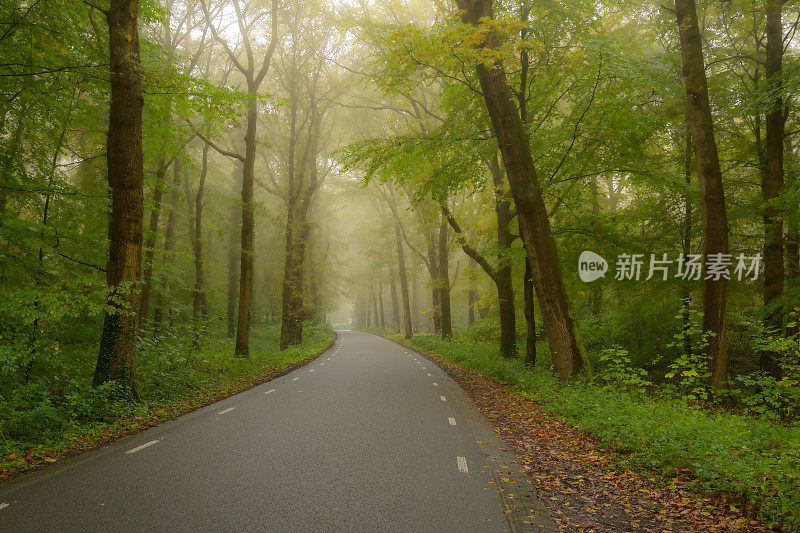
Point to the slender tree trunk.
(472, 298)
(444, 281)
(712, 194)
(199, 305)
(117, 352)
(792, 252)
(150, 244)
(395, 304)
(233, 274)
(686, 294)
(533, 217)
(530, 316)
(248, 229)
(374, 298)
(414, 299)
(504, 276)
(772, 183)
(436, 296)
(401, 265)
(382, 321)
(169, 246)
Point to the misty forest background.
(192, 192)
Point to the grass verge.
(44, 422)
(751, 461)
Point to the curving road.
(370, 436)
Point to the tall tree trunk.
(712, 194)
(382, 321)
(472, 299)
(444, 281)
(302, 187)
(414, 298)
(199, 304)
(401, 265)
(533, 217)
(395, 305)
(436, 297)
(505, 282)
(248, 229)
(374, 299)
(686, 294)
(530, 315)
(505, 291)
(150, 243)
(792, 251)
(169, 246)
(772, 183)
(233, 272)
(117, 352)
(293, 281)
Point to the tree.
(533, 217)
(712, 194)
(254, 71)
(115, 362)
(772, 182)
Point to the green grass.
(745, 458)
(53, 415)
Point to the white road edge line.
(462, 465)
(452, 421)
(228, 410)
(443, 398)
(3, 506)
(270, 391)
(142, 447)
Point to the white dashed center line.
(142, 447)
(452, 421)
(3, 506)
(295, 379)
(435, 384)
(311, 370)
(228, 410)
(443, 398)
(462, 465)
(322, 364)
(429, 374)
(270, 391)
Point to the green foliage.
(616, 370)
(690, 371)
(765, 395)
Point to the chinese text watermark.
(592, 266)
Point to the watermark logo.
(591, 266)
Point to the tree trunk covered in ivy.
(125, 180)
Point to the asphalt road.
(368, 437)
